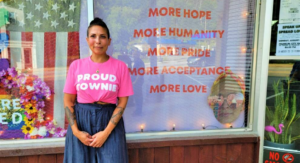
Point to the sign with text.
(289, 11)
(277, 155)
(188, 61)
(11, 117)
(288, 39)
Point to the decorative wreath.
(32, 92)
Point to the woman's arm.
(100, 137)
(69, 101)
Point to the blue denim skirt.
(93, 118)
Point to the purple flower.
(12, 72)
(21, 80)
(27, 136)
(2, 73)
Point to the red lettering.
(177, 88)
(170, 88)
(221, 33)
(138, 33)
(198, 70)
(178, 12)
(192, 70)
(149, 70)
(149, 32)
(186, 13)
(227, 68)
(152, 89)
(211, 71)
(163, 11)
(191, 51)
(164, 70)
(204, 88)
(153, 13)
(219, 72)
(141, 71)
(162, 51)
(208, 14)
(194, 14)
(152, 52)
(171, 11)
(163, 88)
(188, 33)
(183, 88)
(198, 88)
(132, 72)
(155, 70)
(171, 31)
(184, 51)
(186, 70)
(191, 88)
(274, 156)
(171, 71)
(178, 70)
(202, 14)
(204, 71)
(163, 31)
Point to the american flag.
(44, 38)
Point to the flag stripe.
(73, 47)
(38, 39)
(49, 66)
(60, 76)
(73, 52)
(26, 50)
(15, 51)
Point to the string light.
(173, 127)
(244, 49)
(203, 126)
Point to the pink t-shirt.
(98, 81)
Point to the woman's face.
(227, 107)
(98, 40)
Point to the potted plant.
(280, 118)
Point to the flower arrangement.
(32, 93)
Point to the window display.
(39, 40)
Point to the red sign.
(288, 158)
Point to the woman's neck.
(99, 59)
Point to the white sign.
(7, 103)
(289, 11)
(288, 39)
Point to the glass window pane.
(282, 101)
(190, 61)
(38, 41)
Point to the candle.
(142, 128)
(173, 127)
(203, 126)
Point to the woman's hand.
(99, 139)
(84, 137)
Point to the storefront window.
(38, 41)
(282, 134)
(190, 61)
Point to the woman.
(227, 97)
(96, 129)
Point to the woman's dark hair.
(99, 22)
